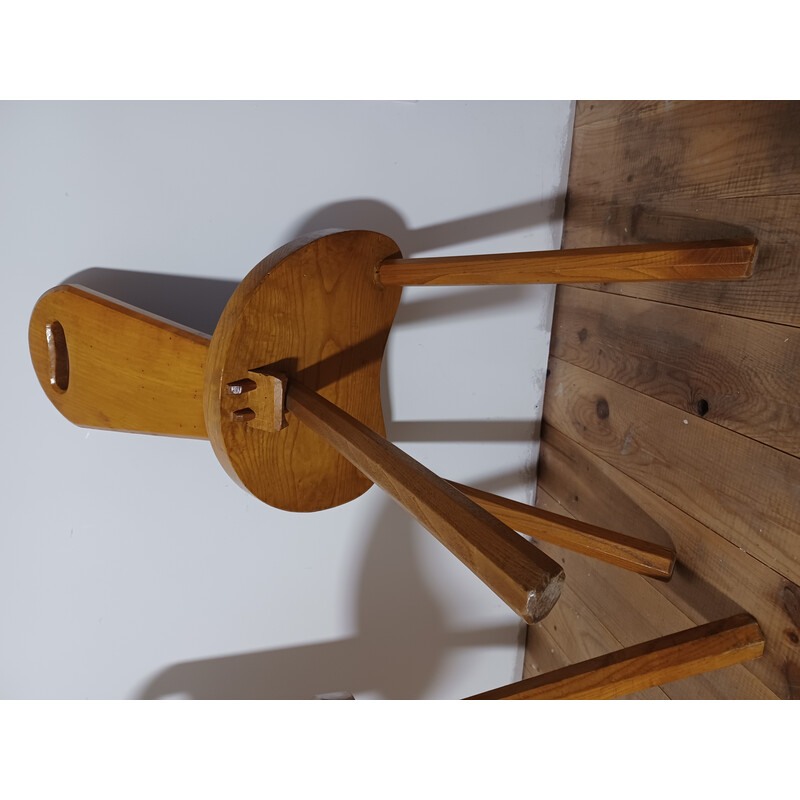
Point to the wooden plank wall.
(672, 410)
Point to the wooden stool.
(288, 388)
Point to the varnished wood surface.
(314, 311)
(119, 368)
(619, 549)
(616, 451)
(689, 261)
(738, 373)
(521, 575)
(672, 657)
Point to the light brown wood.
(104, 364)
(701, 467)
(741, 374)
(313, 311)
(514, 569)
(668, 658)
(689, 261)
(713, 578)
(648, 172)
(621, 550)
(265, 396)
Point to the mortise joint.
(266, 398)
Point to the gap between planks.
(745, 373)
(702, 468)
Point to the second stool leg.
(728, 259)
(526, 579)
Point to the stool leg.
(729, 259)
(526, 579)
(615, 548)
(668, 658)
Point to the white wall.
(131, 565)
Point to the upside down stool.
(287, 389)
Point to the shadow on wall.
(377, 216)
(403, 639)
(193, 302)
(198, 302)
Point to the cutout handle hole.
(59, 356)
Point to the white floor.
(131, 566)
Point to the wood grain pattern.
(521, 575)
(633, 609)
(675, 171)
(668, 658)
(690, 150)
(588, 112)
(738, 373)
(701, 467)
(619, 549)
(712, 578)
(689, 261)
(720, 489)
(770, 294)
(314, 311)
(127, 369)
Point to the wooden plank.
(515, 570)
(748, 493)
(656, 172)
(542, 653)
(679, 655)
(741, 374)
(633, 610)
(590, 112)
(572, 633)
(688, 171)
(728, 259)
(119, 368)
(770, 294)
(689, 150)
(622, 550)
(712, 578)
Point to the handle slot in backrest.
(59, 356)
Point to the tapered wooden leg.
(729, 259)
(668, 658)
(526, 579)
(615, 548)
